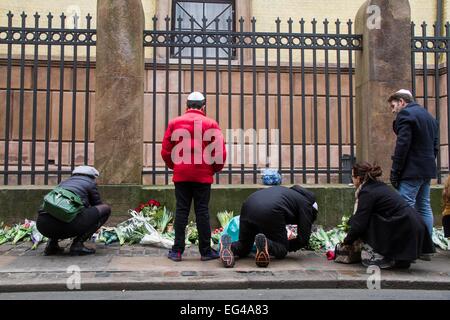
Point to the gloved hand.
(395, 179)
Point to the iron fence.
(46, 99)
(296, 79)
(430, 80)
(301, 79)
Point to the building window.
(192, 14)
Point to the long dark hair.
(367, 171)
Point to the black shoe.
(425, 256)
(402, 264)
(262, 257)
(53, 248)
(78, 249)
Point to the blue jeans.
(417, 193)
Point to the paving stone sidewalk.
(138, 267)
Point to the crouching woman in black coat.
(393, 233)
(85, 224)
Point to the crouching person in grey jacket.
(85, 224)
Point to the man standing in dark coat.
(414, 159)
(263, 220)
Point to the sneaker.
(262, 257)
(226, 255)
(174, 255)
(381, 263)
(211, 254)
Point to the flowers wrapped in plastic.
(270, 177)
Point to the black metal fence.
(431, 80)
(298, 81)
(45, 99)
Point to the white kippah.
(196, 96)
(405, 91)
(87, 170)
(316, 206)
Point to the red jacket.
(188, 138)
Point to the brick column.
(382, 67)
(119, 91)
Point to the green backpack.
(62, 204)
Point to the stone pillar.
(119, 91)
(382, 67)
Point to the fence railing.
(431, 80)
(45, 100)
(287, 94)
(298, 82)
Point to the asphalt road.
(311, 294)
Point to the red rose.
(153, 203)
(330, 255)
(140, 207)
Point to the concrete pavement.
(147, 268)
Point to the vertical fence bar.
(192, 53)
(327, 103)
(447, 34)
(35, 78)
(230, 142)
(8, 99)
(242, 107)
(302, 32)
(74, 101)
(155, 20)
(87, 93)
(22, 98)
(339, 98)
(47, 98)
(437, 100)
(217, 41)
(280, 133)
(266, 99)
(350, 84)
(255, 137)
(316, 132)
(180, 20)
(204, 42)
(61, 98)
(413, 60)
(291, 103)
(425, 68)
(166, 119)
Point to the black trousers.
(274, 231)
(81, 228)
(185, 192)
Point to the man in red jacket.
(193, 147)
